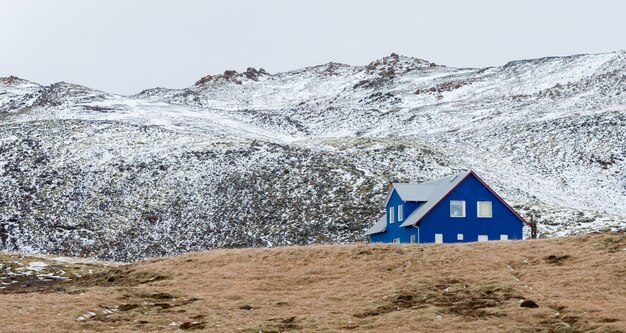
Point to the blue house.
(453, 209)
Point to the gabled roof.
(379, 226)
(444, 186)
(421, 192)
(437, 189)
(431, 193)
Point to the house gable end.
(470, 227)
(390, 194)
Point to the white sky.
(125, 46)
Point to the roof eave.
(367, 233)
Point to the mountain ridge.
(304, 156)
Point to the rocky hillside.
(260, 159)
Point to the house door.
(438, 238)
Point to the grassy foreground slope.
(578, 283)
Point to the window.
(457, 208)
(400, 213)
(504, 237)
(396, 240)
(484, 209)
(391, 217)
(438, 238)
(483, 238)
(459, 236)
(413, 239)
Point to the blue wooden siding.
(393, 229)
(438, 220)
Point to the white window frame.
(485, 239)
(400, 213)
(396, 240)
(438, 238)
(464, 210)
(392, 218)
(478, 209)
(459, 237)
(413, 239)
(504, 237)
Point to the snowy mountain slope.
(258, 159)
(126, 191)
(16, 94)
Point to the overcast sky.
(125, 46)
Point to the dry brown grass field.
(578, 283)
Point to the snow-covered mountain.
(260, 159)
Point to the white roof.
(412, 192)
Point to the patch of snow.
(37, 266)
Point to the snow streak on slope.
(259, 159)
